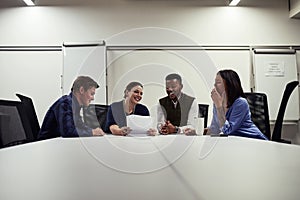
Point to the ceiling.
(252, 3)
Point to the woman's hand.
(217, 98)
(125, 130)
(189, 131)
(152, 132)
(220, 101)
(116, 130)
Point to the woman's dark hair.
(233, 87)
(131, 85)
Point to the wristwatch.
(177, 130)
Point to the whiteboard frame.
(275, 90)
(92, 54)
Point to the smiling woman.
(117, 112)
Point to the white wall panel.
(32, 73)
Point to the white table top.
(160, 167)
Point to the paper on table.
(139, 124)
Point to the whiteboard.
(86, 59)
(239, 61)
(271, 74)
(150, 67)
(35, 73)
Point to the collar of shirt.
(75, 105)
(176, 102)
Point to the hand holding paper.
(139, 124)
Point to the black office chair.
(31, 114)
(276, 135)
(95, 115)
(258, 104)
(203, 113)
(15, 126)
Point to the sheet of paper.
(139, 124)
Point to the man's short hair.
(174, 76)
(85, 82)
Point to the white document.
(274, 69)
(139, 124)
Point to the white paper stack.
(139, 124)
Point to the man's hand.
(98, 132)
(168, 128)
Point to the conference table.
(160, 167)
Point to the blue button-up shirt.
(238, 121)
(63, 119)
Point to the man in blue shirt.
(63, 117)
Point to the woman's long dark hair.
(233, 87)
